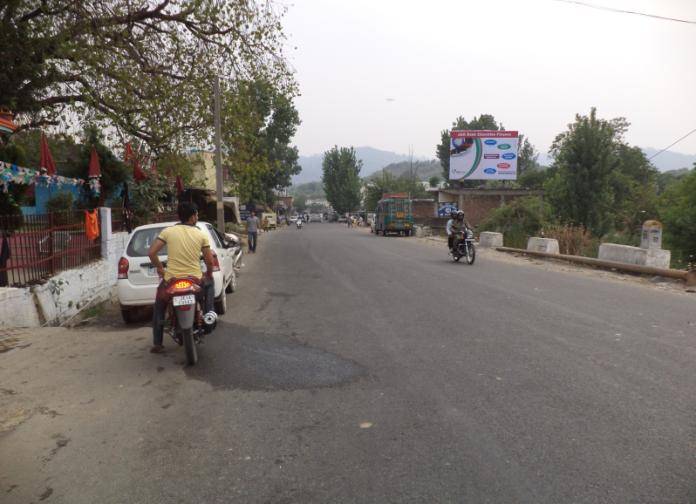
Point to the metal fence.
(40, 246)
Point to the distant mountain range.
(373, 160)
(398, 164)
(666, 161)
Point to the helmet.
(460, 214)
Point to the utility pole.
(218, 159)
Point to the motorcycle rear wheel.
(189, 346)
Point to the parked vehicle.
(315, 217)
(184, 319)
(394, 215)
(464, 247)
(138, 279)
(269, 220)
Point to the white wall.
(67, 292)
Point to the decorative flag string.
(13, 174)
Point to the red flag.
(127, 153)
(179, 185)
(94, 169)
(46, 160)
(138, 173)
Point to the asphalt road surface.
(354, 368)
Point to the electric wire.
(671, 145)
(624, 11)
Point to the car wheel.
(128, 315)
(221, 304)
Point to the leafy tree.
(482, 122)
(309, 189)
(678, 214)
(600, 182)
(666, 179)
(585, 158)
(300, 203)
(434, 181)
(143, 66)
(341, 178)
(113, 172)
(527, 156)
(376, 186)
(634, 188)
(518, 220)
(258, 124)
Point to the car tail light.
(123, 268)
(216, 262)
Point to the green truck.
(394, 215)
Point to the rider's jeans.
(160, 309)
(450, 241)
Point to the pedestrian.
(252, 231)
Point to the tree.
(678, 214)
(482, 122)
(341, 178)
(114, 172)
(378, 185)
(300, 203)
(599, 181)
(586, 157)
(527, 156)
(434, 181)
(143, 66)
(258, 123)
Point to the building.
(203, 163)
(477, 204)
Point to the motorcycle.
(187, 323)
(298, 223)
(464, 247)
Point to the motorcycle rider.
(455, 225)
(185, 242)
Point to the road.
(361, 369)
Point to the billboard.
(483, 155)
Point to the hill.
(373, 160)
(423, 170)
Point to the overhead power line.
(671, 145)
(623, 11)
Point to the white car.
(138, 280)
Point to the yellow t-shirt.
(184, 246)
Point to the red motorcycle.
(187, 323)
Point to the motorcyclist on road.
(455, 225)
(185, 242)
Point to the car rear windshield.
(141, 241)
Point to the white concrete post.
(105, 231)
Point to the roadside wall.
(66, 293)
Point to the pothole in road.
(235, 357)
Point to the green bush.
(519, 220)
(677, 209)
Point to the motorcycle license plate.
(184, 300)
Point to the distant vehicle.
(271, 219)
(394, 215)
(342, 218)
(315, 217)
(138, 280)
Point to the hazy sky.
(533, 64)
